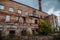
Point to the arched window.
(19, 11)
(1, 7)
(11, 9)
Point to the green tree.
(44, 27)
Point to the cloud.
(31, 3)
(52, 6)
(48, 4)
(50, 11)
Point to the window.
(36, 22)
(19, 11)
(12, 32)
(1, 7)
(7, 18)
(16, 18)
(26, 13)
(11, 9)
(23, 20)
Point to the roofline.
(29, 7)
(44, 12)
(24, 5)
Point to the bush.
(44, 27)
(28, 31)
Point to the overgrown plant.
(28, 31)
(45, 27)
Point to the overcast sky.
(51, 6)
(48, 6)
(32, 3)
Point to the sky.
(32, 3)
(52, 7)
(48, 6)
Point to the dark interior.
(24, 20)
(0, 32)
(12, 32)
(23, 32)
(36, 22)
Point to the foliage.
(28, 31)
(44, 27)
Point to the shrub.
(44, 27)
(28, 31)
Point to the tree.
(44, 27)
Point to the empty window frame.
(1, 7)
(19, 11)
(23, 20)
(11, 9)
(7, 18)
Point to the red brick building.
(16, 17)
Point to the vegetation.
(28, 31)
(45, 27)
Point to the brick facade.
(30, 20)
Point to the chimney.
(40, 8)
